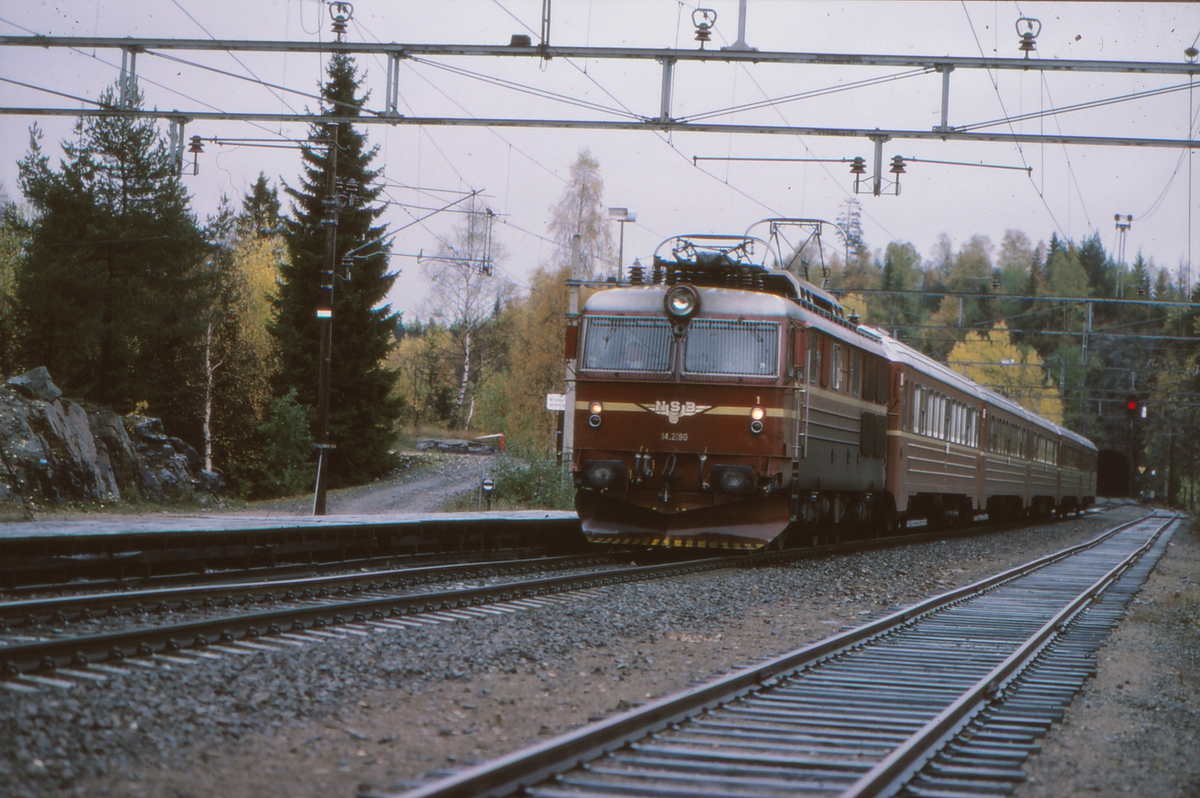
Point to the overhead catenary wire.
(232, 55)
(805, 95)
(1020, 150)
(141, 79)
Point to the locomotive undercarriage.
(677, 502)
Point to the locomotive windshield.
(726, 347)
(624, 343)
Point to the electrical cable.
(807, 149)
(232, 55)
(1193, 132)
(1084, 106)
(1020, 150)
(1067, 157)
(531, 90)
(55, 93)
(144, 79)
(252, 79)
(495, 133)
(805, 95)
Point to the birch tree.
(581, 211)
(466, 297)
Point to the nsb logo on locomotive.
(676, 410)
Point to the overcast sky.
(1072, 190)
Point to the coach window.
(922, 412)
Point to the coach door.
(797, 401)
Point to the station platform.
(145, 547)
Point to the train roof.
(899, 352)
(648, 299)
(902, 353)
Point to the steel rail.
(522, 769)
(887, 777)
(20, 611)
(77, 651)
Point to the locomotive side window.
(724, 347)
(836, 367)
(856, 373)
(623, 343)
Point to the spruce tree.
(111, 290)
(362, 408)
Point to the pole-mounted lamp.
(621, 215)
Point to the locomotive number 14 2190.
(675, 436)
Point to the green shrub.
(284, 466)
(534, 483)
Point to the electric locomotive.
(724, 401)
(721, 399)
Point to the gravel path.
(392, 708)
(424, 489)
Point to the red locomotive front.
(680, 417)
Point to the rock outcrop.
(56, 451)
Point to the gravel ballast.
(391, 708)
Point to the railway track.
(62, 655)
(43, 639)
(78, 608)
(946, 697)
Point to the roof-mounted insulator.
(704, 19)
(637, 274)
(1032, 28)
(342, 12)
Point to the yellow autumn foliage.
(994, 361)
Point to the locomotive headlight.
(682, 302)
(603, 474)
(758, 414)
(594, 419)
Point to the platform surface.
(247, 522)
